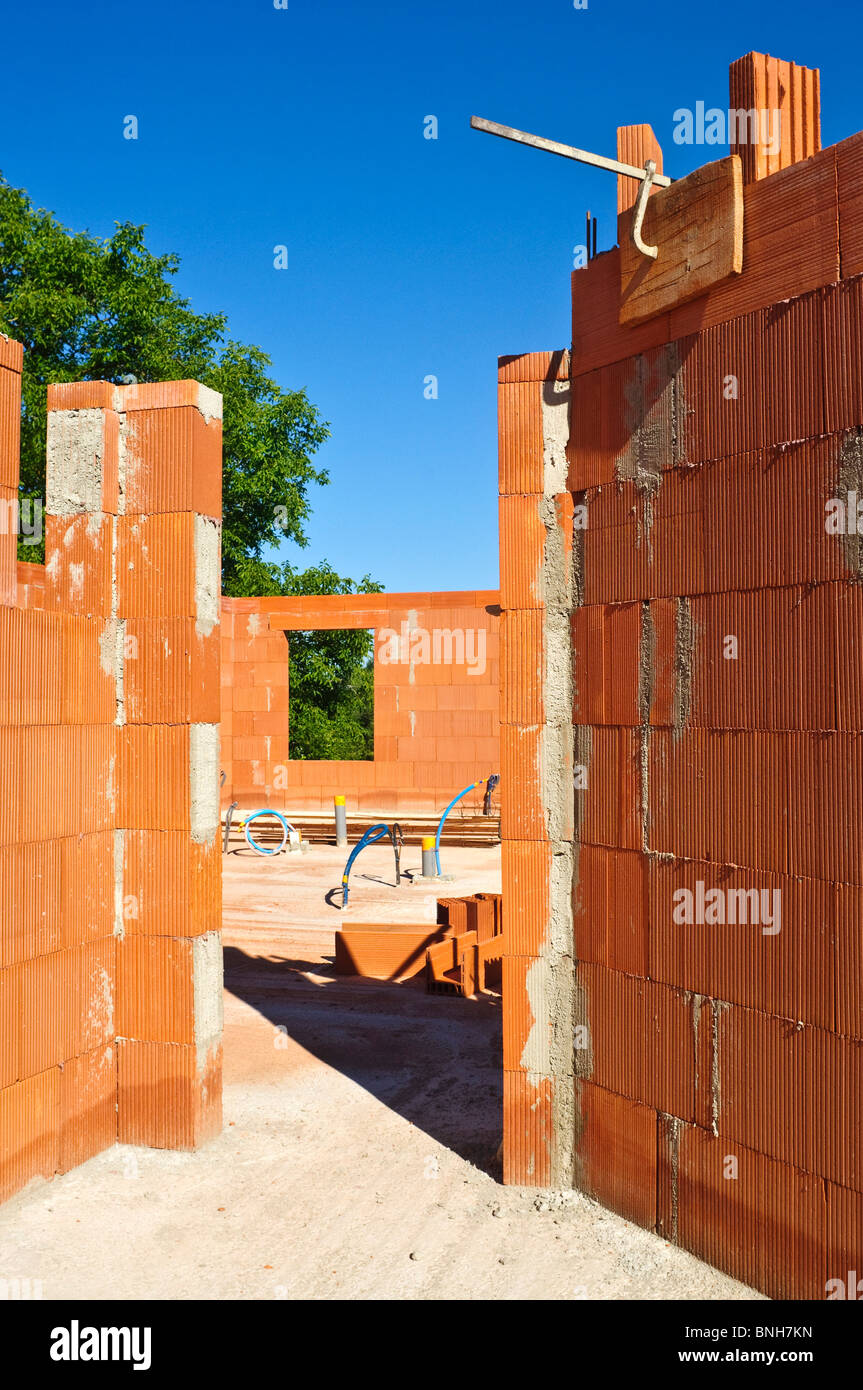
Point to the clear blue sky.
(407, 257)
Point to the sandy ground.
(358, 1158)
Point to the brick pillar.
(536, 769)
(134, 486)
(635, 145)
(758, 83)
(11, 360)
(73, 978)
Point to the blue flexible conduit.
(266, 812)
(372, 835)
(454, 802)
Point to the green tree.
(91, 308)
(331, 672)
(87, 308)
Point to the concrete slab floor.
(357, 1160)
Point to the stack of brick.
(717, 640)
(110, 957)
(436, 677)
(479, 912)
(400, 950)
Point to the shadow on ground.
(434, 1059)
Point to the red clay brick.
(616, 1153)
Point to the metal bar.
(538, 142)
(638, 214)
(228, 814)
(398, 840)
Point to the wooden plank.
(318, 827)
(697, 224)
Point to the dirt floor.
(358, 1158)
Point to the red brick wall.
(717, 1069)
(435, 707)
(110, 890)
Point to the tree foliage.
(91, 308)
(331, 671)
